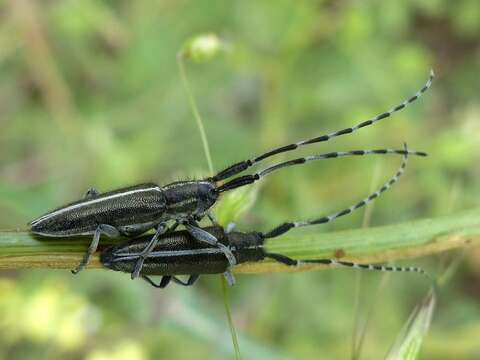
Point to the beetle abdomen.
(133, 205)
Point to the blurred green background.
(90, 95)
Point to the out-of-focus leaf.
(50, 313)
(235, 204)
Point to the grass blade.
(409, 342)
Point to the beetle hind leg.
(101, 229)
(91, 193)
(191, 280)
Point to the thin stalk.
(233, 332)
(206, 149)
(196, 113)
(21, 249)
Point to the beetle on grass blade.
(134, 210)
(178, 253)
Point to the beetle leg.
(229, 277)
(163, 283)
(230, 227)
(161, 229)
(206, 237)
(108, 230)
(92, 192)
(191, 280)
(135, 230)
(212, 219)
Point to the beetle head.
(207, 195)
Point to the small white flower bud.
(202, 48)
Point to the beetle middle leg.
(108, 230)
(191, 280)
(161, 229)
(204, 236)
(167, 278)
(161, 285)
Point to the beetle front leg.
(204, 236)
(108, 230)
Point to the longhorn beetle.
(133, 210)
(178, 253)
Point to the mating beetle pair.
(134, 210)
(178, 253)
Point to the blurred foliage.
(90, 96)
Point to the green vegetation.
(91, 95)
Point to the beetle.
(134, 210)
(178, 252)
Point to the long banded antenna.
(283, 228)
(279, 258)
(243, 165)
(337, 263)
(249, 179)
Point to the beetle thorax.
(190, 198)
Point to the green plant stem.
(196, 113)
(21, 249)
(233, 332)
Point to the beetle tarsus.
(229, 277)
